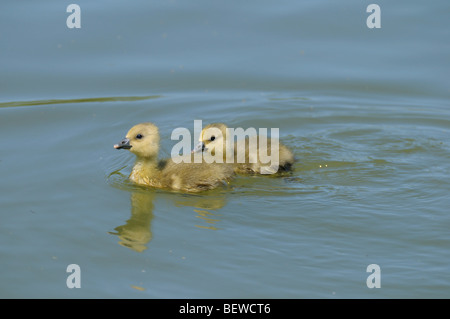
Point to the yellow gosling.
(143, 141)
(213, 141)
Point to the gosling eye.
(139, 136)
(212, 138)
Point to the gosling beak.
(200, 147)
(125, 144)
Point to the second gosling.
(143, 141)
(213, 139)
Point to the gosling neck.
(147, 163)
(145, 169)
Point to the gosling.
(143, 141)
(213, 139)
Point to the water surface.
(366, 113)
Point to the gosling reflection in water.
(204, 206)
(136, 234)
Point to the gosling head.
(212, 138)
(142, 140)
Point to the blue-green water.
(366, 112)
